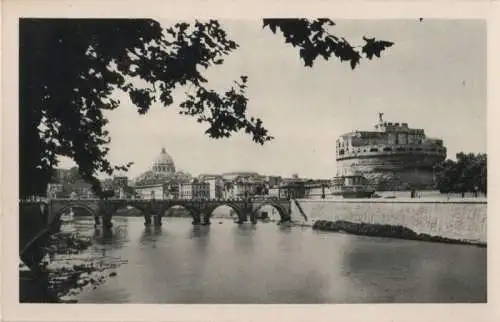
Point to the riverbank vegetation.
(66, 267)
(467, 174)
(391, 231)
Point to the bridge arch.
(283, 212)
(120, 208)
(149, 209)
(143, 207)
(191, 210)
(210, 210)
(65, 208)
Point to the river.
(267, 263)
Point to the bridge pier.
(253, 218)
(147, 220)
(106, 221)
(157, 220)
(196, 219)
(242, 218)
(285, 218)
(206, 219)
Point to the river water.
(229, 263)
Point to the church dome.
(164, 163)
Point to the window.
(387, 149)
(400, 149)
(374, 150)
(418, 149)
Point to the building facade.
(80, 190)
(55, 190)
(318, 189)
(157, 191)
(273, 181)
(198, 190)
(216, 185)
(293, 188)
(120, 181)
(148, 192)
(238, 185)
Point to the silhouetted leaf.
(314, 39)
(374, 47)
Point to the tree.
(107, 184)
(314, 40)
(69, 69)
(467, 174)
(483, 182)
(479, 173)
(446, 176)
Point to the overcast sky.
(434, 78)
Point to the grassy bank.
(391, 231)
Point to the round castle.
(392, 156)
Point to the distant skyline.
(434, 78)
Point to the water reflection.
(153, 231)
(388, 270)
(266, 263)
(199, 231)
(201, 237)
(103, 236)
(243, 238)
(151, 235)
(113, 237)
(285, 228)
(310, 288)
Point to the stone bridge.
(153, 210)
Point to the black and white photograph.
(269, 160)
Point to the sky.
(434, 77)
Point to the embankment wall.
(457, 220)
